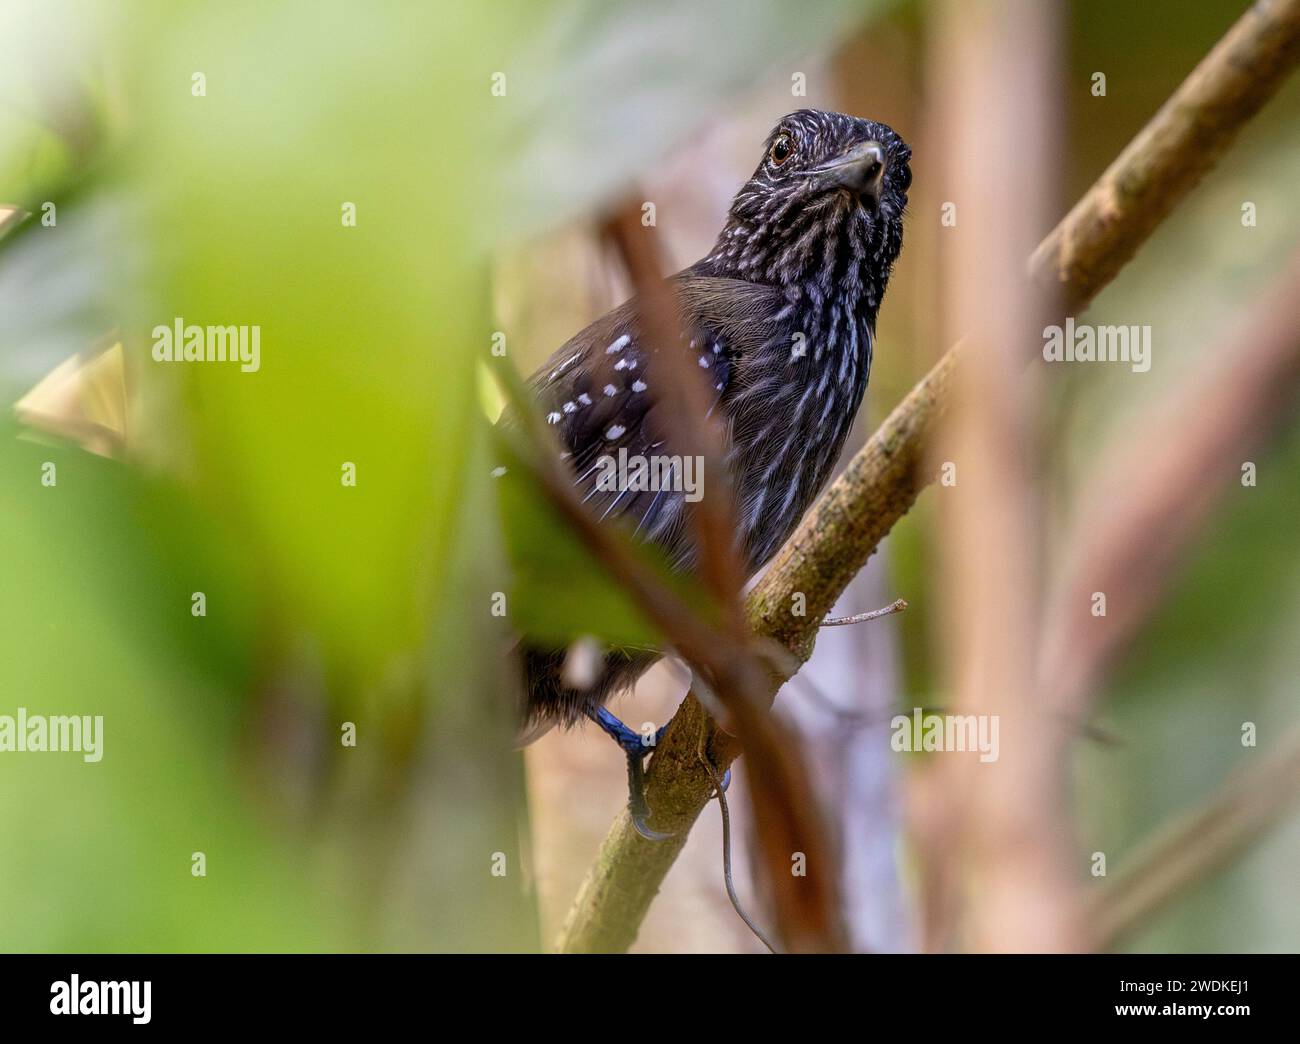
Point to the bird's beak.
(860, 170)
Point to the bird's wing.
(598, 392)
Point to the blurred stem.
(994, 835)
(1140, 516)
(1197, 843)
(1084, 253)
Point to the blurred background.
(384, 191)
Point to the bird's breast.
(790, 415)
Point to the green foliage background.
(328, 604)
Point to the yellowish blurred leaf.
(83, 401)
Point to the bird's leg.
(631, 741)
(636, 747)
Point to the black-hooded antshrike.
(781, 318)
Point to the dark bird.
(780, 317)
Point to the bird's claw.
(645, 831)
(636, 747)
(638, 809)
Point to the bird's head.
(819, 159)
(827, 184)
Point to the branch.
(883, 480)
(807, 909)
(1171, 153)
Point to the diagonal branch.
(880, 484)
(806, 909)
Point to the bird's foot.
(636, 746)
(632, 742)
(638, 809)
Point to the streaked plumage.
(781, 317)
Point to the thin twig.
(847, 718)
(875, 614)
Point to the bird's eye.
(782, 149)
(904, 178)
